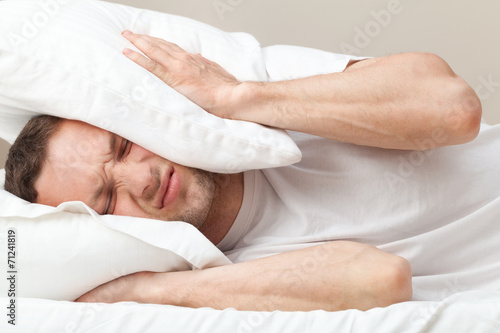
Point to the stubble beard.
(203, 200)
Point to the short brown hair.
(27, 155)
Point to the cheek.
(128, 207)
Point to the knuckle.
(153, 48)
(184, 56)
(152, 66)
(184, 67)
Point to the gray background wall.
(465, 33)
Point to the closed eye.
(125, 149)
(122, 153)
(110, 202)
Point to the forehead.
(73, 168)
(78, 140)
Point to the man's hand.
(202, 81)
(332, 276)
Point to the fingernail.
(126, 33)
(127, 51)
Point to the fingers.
(155, 48)
(156, 56)
(151, 65)
(192, 75)
(159, 54)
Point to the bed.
(57, 254)
(467, 312)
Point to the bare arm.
(390, 102)
(332, 276)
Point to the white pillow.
(61, 253)
(63, 58)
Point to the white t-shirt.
(439, 208)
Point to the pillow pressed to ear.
(61, 253)
(64, 58)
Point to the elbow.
(402, 281)
(397, 282)
(463, 118)
(457, 107)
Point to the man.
(401, 102)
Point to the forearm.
(392, 102)
(332, 276)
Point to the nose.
(135, 173)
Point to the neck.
(225, 207)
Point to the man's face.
(115, 176)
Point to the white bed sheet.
(471, 312)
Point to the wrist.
(183, 288)
(210, 287)
(247, 100)
(265, 103)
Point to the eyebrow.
(100, 190)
